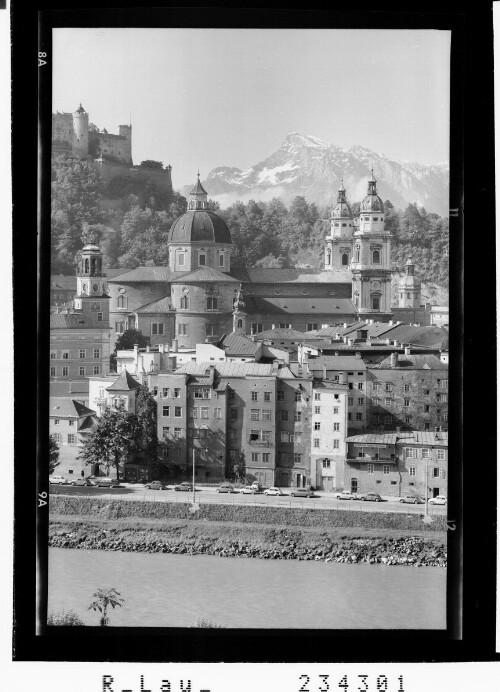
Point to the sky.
(202, 98)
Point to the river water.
(162, 590)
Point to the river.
(163, 590)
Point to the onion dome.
(239, 301)
(81, 109)
(91, 248)
(342, 210)
(372, 201)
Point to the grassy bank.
(232, 539)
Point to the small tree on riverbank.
(103, 598)
(53, 454)
(64, 618)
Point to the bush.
(203, 622)
(64, 618)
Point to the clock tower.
(92, 299)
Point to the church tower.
(409, 288)
(239, 314)
(338, 250)
(80, 143)
(91, 297)
(371, 261)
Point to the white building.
(328, 433)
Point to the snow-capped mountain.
(305, 165)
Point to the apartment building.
(79, 347)
(329, 426)
(69, 423)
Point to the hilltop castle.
(73, 135)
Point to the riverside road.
(207, 495)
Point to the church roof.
(124, 382)
(161, 305)
(198, 189)
(204, 274)
(300, 305)
(298, 276)
(199, 226)
(145, 274)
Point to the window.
(178, 412)
(345, 260)
(316, 442)
(255, 414)
(82, 371)
(256, 328)
(371, 468)
(427, 392)
(360, 385)
(201, 392)
(202, 260)
(211, 303)
(410, 453)
(177, 393)
(350, 385)
(386, 469)
(234, 413)
(441, 455)
(442, 398)
(388, 401)
(284, 436)
(311, 326)
(407, 387)
(57, 436)
(211, 330)
(435, 472)
(376, 256)
(165, 432)
(65, 371)
(165, 410)
(157, 328)
(217, 413)
(255, 456)
(297, 459)
(284, 416)
(177, 433)
(427, 408)
(375, 386)
(375, 401)
(349, 416)
(221, 260)
(326, 463)
(317, 409)
(182, 329)
(266, 414)
(406, 402)
(155, 391)
(119, 327)
(53, 355)
(317, 425)
(204, 411)
(96, 353)
(388, 387)
(412, 470)
(336, 427)
(297, 417)
(285, 325)
(267, 396)
(425, 453)
(193, 413)
(96, 369)
(165, 392)
(298, 396)
(359, 416)
(184, 303)
(317, 396)
(266, 457)
(180, 259)
(255, 396)
(408, 419)
(65, 355)
(335, 409)
(443, 384)
(350, 401)
(266, 435)
(81, 353)
(360, 401)
(281, 396)
(71, 439)
(336, 444)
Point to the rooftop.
(160, 305)
(124, 382)
(238, 345)
(439, 439)
(425, 361)
(295, 276)
(313, 307)
(146, 274)
(336, 363)
(64, 407)
(228, 369)
(74, 321)
(204, 274)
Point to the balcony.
(260, 443)
(372, 460)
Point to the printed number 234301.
(358, 683)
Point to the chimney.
(407, 351)
(337, 336)
(390, 322)
(350, 342)
(342, 378)
(161, 348)
(398, 429)
(166, 348)
(324, 371)
(345, 325)
(394, 359)
(175, 345)
(345, 339)
(136, 355)
(172, 362)
(147, 348)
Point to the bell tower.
(92, 297)
(338, 248)
(409, 288)
(239, 314)
(371, 261)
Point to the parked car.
(411, 500)
(249, 490)
(57, 480)
(81, 481)
(372, 497)
(273, 491)
(225, 488)
(438, 500)
(347, 495)
(155, 485)
(184, 487)
(302, 492)
(104, 481)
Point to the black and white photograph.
(249, 328)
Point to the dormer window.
(202, 259)
(221, 260)
(180, 259)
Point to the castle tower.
(126, 131)
(239, 314)
(91, 297)
(371, 261)
(80, 132)
(409, 288)
(338, 248)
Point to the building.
(193, 298)
(69, 423)
(113, 391)
(79, 347)
(329, 427)
(440, 315)
(398, 463)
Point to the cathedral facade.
(195, 297)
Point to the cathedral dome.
(372, 201)
(199, 226)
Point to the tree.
(147, 417)
(126, 342)
(65, 618)
(103, 598)
(53, 454)
(111, 441)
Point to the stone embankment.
(408, 550)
